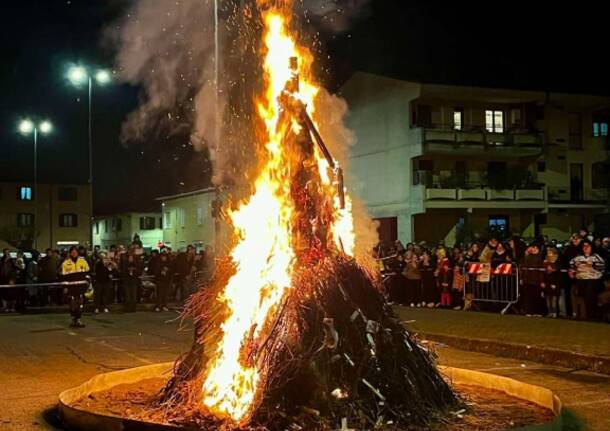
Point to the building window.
(181, 217)
(66, 193)
(119, 224)
(167, 220)
(68, 220)
(458, 118)
(97, 227)
(25, 220)
(147, 223)
(600, 129)
(494, 121)
(160, 222)
(515, 117)
(498, 226)
(25, 193)
(600, 178)
(424, 116)
(199, 216)
(541, 166)
(106, 226)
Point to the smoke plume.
(168, 49)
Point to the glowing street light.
(46, 127)
(102, 77)
(78, 75)
(27, 127)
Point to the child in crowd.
(443, 275)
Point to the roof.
(449, 83)
(183, 195)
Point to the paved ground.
(582, 337)
(586, 395)
(40, 357)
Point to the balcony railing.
(443, 137)
(485, 194)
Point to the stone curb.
(544, 355)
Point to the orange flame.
(264, 256)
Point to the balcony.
(472, 194)
(476, 141)
(432, 193)
(484, 194)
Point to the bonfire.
(293, 331)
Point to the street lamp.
(28, 127)
(79, 75)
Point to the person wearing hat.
(75, 268)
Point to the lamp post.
(27, 127)
(79, 75)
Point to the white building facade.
(437, 162)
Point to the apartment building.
(189, 219)
(49, 215)
(119, 229)
(438, 162)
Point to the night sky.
(502, 44)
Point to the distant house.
(48, 215)
(434, 162)
(188, 219)
(119, 229)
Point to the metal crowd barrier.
(482, 283)
(54, 285)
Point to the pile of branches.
(335, 357)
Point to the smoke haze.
(168, 48)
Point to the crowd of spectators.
(570, 279)
(122, 274)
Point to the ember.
(293, 333)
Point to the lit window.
(167, 220)
(68, 220)
(595, 129)
(498, 225)
(199, 216)
(458, 118)
(494, 121)
(25, 193)
(603, 129)
(25, 220)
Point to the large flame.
(263, 255)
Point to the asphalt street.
(40, 356)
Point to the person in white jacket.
(587, 269)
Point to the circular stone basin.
(80, 408)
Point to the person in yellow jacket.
(75, 268)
